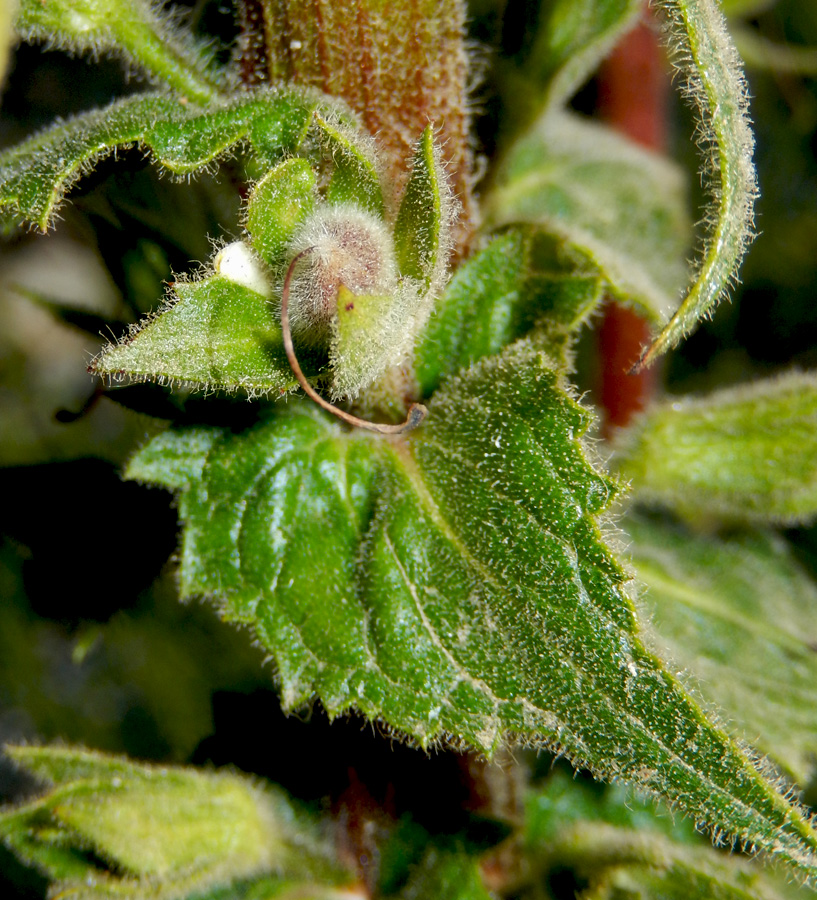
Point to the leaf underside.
(455, 585)
(620, 205)
(717, 88)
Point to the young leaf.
(278, 205)
(740, 617)
(521, 279)
(704, 53)
(748, 453)
(616, 202)
(422, 231)
(215, 333)
(620, 846)
(167, 832)
(455, 584)
(368, 336)
(355, 178)
(131, 29)
(36, 174)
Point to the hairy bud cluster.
(348, 247)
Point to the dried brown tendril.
(417, 412)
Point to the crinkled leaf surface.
(215, 334)
(748, 453)
(133, 29)
(622, 846)
(36, 174)
(521, 279)
(621, 205)
(455, 583)
(739, 616)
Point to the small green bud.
(277, 207)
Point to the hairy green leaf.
(166, 831)
(621, 846)
(36, 174)
(748, 453)
(355, 177)
(277, 205)
(521, 279)
(621, 205)
(421, 232)
(214, 333)
(740, 617)
(705, 54)
(455, 584)
(132, 29)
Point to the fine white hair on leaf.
(702, 50)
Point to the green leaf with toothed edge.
(523, 278)
(455, 584)
(738, 616)
(616, 203)
(621, 845)
(36, 174)
(213, 334)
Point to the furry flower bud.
(350, 249)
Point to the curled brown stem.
(417, 412)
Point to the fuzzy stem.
(399, 65)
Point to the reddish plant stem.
(252, 46)
(633, 89)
